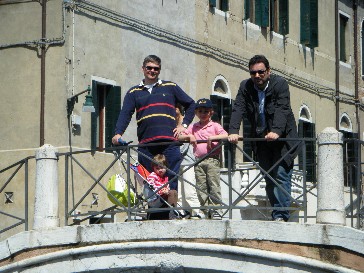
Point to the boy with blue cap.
(207, 172)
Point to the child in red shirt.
(158, 178)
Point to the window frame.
(268, 13)
(107, 103)
(344, 36)
(309, 35)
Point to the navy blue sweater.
(155, 111)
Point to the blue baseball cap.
(204, 103)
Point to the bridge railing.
(86, 173)
(237, 196)
(15, 176)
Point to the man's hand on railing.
(115, 139)
(271, 136)
(233, 138)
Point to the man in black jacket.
(264, 100)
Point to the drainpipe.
(337, 62)
(356, 62)
(42, 72)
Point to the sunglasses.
(154, 68)
(254, 72)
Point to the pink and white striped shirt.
(156, 181)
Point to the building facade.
(51, 51)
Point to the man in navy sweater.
(154, 101)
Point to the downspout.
(356, 62)
(42, 72)
(337, 62)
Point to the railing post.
(330, 185)
(46, 188)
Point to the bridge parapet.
(235, 246)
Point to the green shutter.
(271, 15)
(309, 23)
(262, 13)
(225, 5)
(212, 3)
(342, 26)
(362, 48)
(314, 23)
(94, 115)
(283, 17)
(304, 23)
(246, 9)
(112, 110)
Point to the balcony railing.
(86, 173)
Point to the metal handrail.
(354, 210)
(18, 165)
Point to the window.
(107, 102)
(343, 36)
(309, 23)
(222, 110)
(362, 49)
(279, 16)
(268, 13)
(222, 114)
(350, 159)
(306, 129)
(350, 151)
(257, 11)
(220, 4)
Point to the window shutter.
(246, 9)
(307, 130)
(283, 17)
(362, 48)
(212, 3)
(271, 14)
(351, 155)
(342, 26)
(262, 13)
(112, 107)
(305, 23)
(309, 23)
(94, 115)
(225, 5)
(314, 23)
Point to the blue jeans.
(282, 175)
(173, 157)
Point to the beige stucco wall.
(97, 46)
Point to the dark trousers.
(269, 153)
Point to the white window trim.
(348, 63)
(103, 80)
(227, 95)
(305, 108)
(350, 129)
(344, 14)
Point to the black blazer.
(277, 108)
